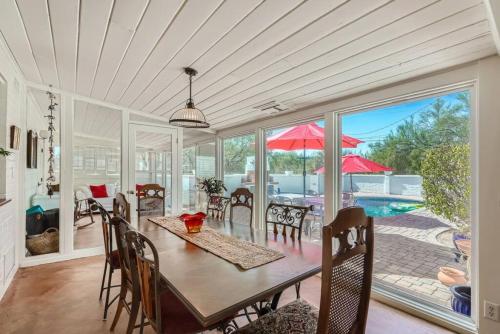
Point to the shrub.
(446, 183)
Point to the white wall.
(9, 213)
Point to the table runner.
(242, 253)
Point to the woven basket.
(47, 242)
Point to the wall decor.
(51, 173)
(15, 137)
(32, 150)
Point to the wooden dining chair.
(241, 206)
(150, 200)
(112, 258)
(345, 283)
(163, 310)
(121, 227)
(121, 207)
(216, 206)
(284, 215)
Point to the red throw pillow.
(99, 191)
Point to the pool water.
(387, 206)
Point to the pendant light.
(189, 116)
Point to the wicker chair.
(241, 206)
(112, 258)
(121, 207)
(150, 200)
(216, 206)
(345, 287)
(157, 299)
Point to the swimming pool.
(387, 206)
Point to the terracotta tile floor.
(62, 298)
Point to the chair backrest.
(241, 210)
(121, 227)
(146, 275)
(105, 224)
(150, 198)
(291, 216)
(121, 207)
(216, 205)
(346, 273)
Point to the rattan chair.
(121, 207)
(345, 286)
(157, 299)
(112, 258)
(241, 206)
(150, 200)
(216, 206)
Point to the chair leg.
(297, 290)
(121, 304)
(103, 278)
(142, 323)
(134, 311)
(106, 305)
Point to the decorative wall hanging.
(15, 137)
(189, 116)
(51, 178)
(32, 150)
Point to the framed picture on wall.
(15, 137)
(32, 150)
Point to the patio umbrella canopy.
(353, 163)
(305, 137)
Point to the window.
(188, 178)
(239, 163)
(295, 160)
(413, 176)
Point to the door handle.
(131, 192)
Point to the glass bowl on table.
(193, 222)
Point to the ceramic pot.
(461, 299)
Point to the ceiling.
(289, 53)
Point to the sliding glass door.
(412, 173)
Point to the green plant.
(446, 183)
(212, 186)
(4, 153)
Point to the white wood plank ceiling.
(247, 52)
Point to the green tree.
(236, 151)
(446, 183)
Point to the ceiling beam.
(493, 13)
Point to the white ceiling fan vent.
(271, 107)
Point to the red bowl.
(193, 222)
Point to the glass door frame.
(128, 177)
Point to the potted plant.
(4, 153)
(212, 186)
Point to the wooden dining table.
(214, 289)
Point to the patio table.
(214, 289)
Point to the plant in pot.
(446, 182)
(4, 152)
(212, 187)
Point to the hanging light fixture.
(189, 116)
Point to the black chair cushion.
(296, 317)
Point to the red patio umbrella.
(305, 137)
(353, 163)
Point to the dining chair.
(163, 310)
(121, 207)
(150, 199)
(121, 227)
(345, 284)
(112, 258)
(216, 206)
(241, 206)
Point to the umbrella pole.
(304, 171)
(350, 176)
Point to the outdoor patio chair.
(111, 257)
(241, 206)
(216, 206)
(345, 283)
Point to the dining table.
(214, 289)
